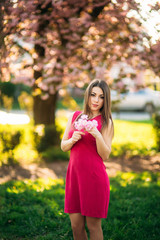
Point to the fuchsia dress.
(87, 184)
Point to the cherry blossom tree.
(2, 32)
(51, 43)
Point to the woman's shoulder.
(109, 127)
(77, 112)
(74, 115)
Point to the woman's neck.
(94, 114)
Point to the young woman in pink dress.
(87, 189)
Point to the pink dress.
(87, 188)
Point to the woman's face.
(96, 99)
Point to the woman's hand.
(103, 140)
(94, 132)
(77, 135)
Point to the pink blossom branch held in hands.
(84, 124)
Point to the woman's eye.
(92, 94)
(102, 97)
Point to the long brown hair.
(106, 108)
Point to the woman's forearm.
(66, 145)
(102, 148)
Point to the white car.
(143, 99)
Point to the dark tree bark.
(44, 110)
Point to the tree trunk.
(44, 110)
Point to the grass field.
(131, 138)
(34, 209)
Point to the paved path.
(14, 117)
(132, 116)
(20, 117)
(140, 116)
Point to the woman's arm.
(66, 144)
(103, 140)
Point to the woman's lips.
(95, 105)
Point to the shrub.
(7, 102)
(55, 154)
(10, 140)
(7, 88)
(46, 137)
(156, 126)
(26, 101)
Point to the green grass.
(131, 139)
(34, 209)
(133, 132)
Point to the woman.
(87, 184)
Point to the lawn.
(133, 138)
(34, 209)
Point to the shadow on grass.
(12, 172)
(31, 171)
(34, 209)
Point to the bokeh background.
(49, 51)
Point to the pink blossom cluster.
(84, 124)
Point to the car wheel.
(149, 108)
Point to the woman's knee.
(78, 228)
(93, 224)
(77, 223)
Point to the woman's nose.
(96, 99)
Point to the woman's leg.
(78, 226)
(94, 227)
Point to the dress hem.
(84, 214)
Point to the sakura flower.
(84, 116)
(95, 124)
(89, 125)
(84, 124)
(80, 124)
